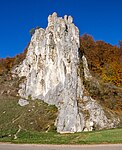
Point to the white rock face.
(23, 102)
(53, 74)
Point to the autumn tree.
(103, 59)
(6, 64)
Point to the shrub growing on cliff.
(32, 31)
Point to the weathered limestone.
(54, 74)
(23, 102)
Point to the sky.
(100, 18)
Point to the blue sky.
(100, 18)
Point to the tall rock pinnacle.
(54, 71)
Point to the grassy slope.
(42, 116)
(95, 137)
(35, 116)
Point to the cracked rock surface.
(55, 70)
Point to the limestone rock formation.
(55, 71)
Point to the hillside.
(104, 60)
(105, 64)
(109, 93)
(53, 70)
(36, 116)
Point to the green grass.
(37, 116)
(95, 137)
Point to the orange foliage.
(104, 60)
(7, 63)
